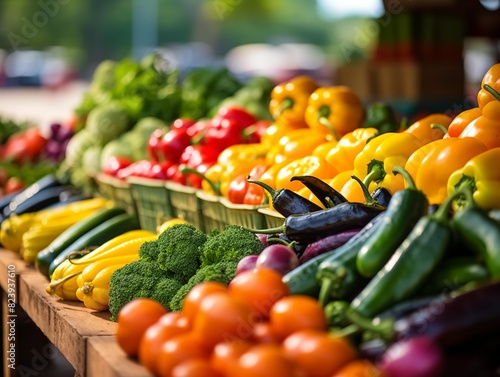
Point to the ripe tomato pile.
(252, 327)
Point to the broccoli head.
(222, 272)
(231, 244)
(164, 290)
(179, 250)
(134, 280)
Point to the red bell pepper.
(183, 123)
(114, 164)
(199, 157)
(241, 191)
(25, 146)
(240, 115)
(173, 144)
(154, 144)
(254, 133)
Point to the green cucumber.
(70, 235)
(102, 233)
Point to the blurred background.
(421, 55)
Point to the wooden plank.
(66, 324)
(11, 262)
(106, 359)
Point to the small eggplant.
(325, 193)
(326, 244)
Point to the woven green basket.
(104, 186)
(214, 212)
(152, 200)
(272, 218)
(122, 195)
(244, 215)
(186, 204)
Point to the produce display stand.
(84, 337)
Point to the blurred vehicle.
(50, 68)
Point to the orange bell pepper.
(342, 156)
(335, 111)
(486, 128)
(240, 191)
(461, 121)
(347, 186)
(424, 131)
(323, 149)
(432, 164)
(491, 78)
(289, 99)
(297, 144)
(308, 165)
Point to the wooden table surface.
(83, 336)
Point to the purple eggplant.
(326, 244)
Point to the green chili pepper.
(479, 232)
(410, 266)
(404, 210)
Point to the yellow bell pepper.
(296, 144)
(424, 131)
(347, 186)
(306, 193)
(374, 164)
(231, 162)
(486, 127)
(491, 78)
(482, 176)
(289, 99)
(308, 165)
(432, 164)
(279, 128)
(342, 156)
(335, 111)
(323, 149)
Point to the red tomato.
(196, 295)
(317, 353)
(220, 318)
(297, 312)
(178, 349)
(264, 360)
(134, 318)
(25, 145)
(225, 355)
(263, 334)
(167, 327)
(259, 289)
(195, 367)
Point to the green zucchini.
(70, 235)
(102, 233)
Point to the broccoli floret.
(134, 280)
(149, 250)
(231, 244)
(179, 250)
(165, 290)
(222, 272)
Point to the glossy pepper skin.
(423, 130)
(432, 164)
(334, 111)
(342, 156)
(289, 98)
(374, 164)
(491, 78)
(486, 127)
(308, 165)
(405, 209)
(327, 195)
(241, 191)
(481, 175)
(277, 129)
(461, 121)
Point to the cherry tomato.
(193, 299)
(263, 360)
(359, 368)
(225, 355)
(178, 349)
(194, 368)
(297, 312)
(317, 353)
(168, 326)
(134, 318)
(220, 317)
(259, 289)
(13, 184)
(263, 334)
